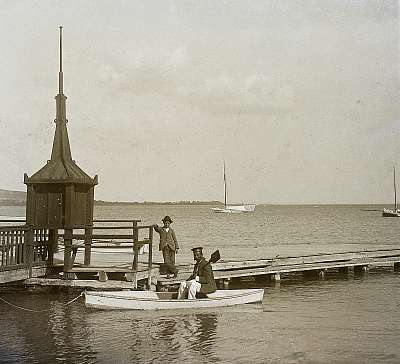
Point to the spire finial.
(60, 77)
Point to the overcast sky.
(300, 97)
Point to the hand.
(197, 278)
(176, 250)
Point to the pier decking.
(272, 269)
(261, 270)
(26, 252)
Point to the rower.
(202, 279)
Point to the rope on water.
(30, 310)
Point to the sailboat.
(395, 212)
(233, 208)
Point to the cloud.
(249, 94)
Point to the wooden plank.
(112, 227)
(117, 220)
(104, 269)
(20, 274)
(83, 284)
(103, 236)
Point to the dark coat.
(205, 273)
(167, 238)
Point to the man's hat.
(198, 248)
(166, 218)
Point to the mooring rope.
(31, 310)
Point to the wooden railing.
(89, 238)
(22, 247)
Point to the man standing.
(168, 246)
(202, 279)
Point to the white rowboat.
(148, 300)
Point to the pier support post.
(321, 274)
(276, 277)
(68, 263)
(225, 283)
(361, 270)
(397, 266)
(103, 276)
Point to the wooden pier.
(27, 252)
(310, 265)
(262, 270)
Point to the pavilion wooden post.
(52, 246)
(68, 264)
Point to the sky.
(299, 97)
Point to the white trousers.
(189, 288)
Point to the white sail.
(232, 208)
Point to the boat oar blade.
(215, 257)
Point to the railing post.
(150, 262)
(135, 253)
(29, 249)
(88, 246)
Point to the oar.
(215, 257)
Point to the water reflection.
(58, 334)
(205, 335)
(174, 339)
(69, 329)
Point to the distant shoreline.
(18, 198)
(10, 202)
(101, 202)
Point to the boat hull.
(235, 209)
(390, 213)
(148, 300)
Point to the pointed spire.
(60, 74)
(61, 149)
(61, 168)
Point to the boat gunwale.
(208, 299)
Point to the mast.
(395, 192)
(225, 197)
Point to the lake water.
(337, 320)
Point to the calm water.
(338, 320)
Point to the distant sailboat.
(233, 208)
(395, 212)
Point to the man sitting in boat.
(201, 281)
